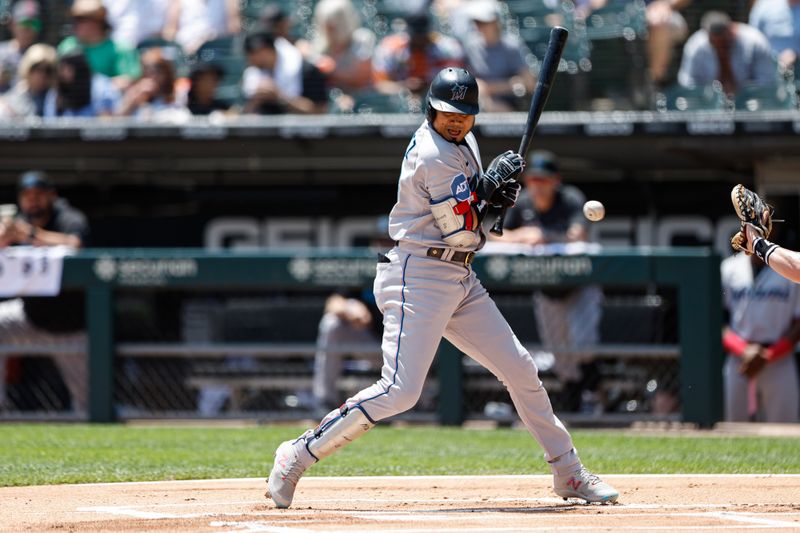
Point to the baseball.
(594, 210)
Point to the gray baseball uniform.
(425, 298)
(426, 290)
(762, 306)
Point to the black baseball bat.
(558, 39)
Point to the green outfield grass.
(33, 454)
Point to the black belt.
(465, 258)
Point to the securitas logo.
(460, 188)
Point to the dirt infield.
(463, 504)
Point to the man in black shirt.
(47, 220)
(568, 319)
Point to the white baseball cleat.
(586, 486)
(291, 460)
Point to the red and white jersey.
(433, 170)
(761, 308)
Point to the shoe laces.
(587, 477)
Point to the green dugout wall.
(694, 272)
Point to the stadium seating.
(300, 12)
(372, 102)
(618, 19)
(533, 21)
(705, 98)
(777, 97)
(616, 34)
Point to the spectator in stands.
(152, 96)
(78, 92)
(133, 21)
(666, 28)
(274, 21)
(342, 49)
(732, 53)
(47, 220)
(779, 21)
(204, 81)
(760, 372)
(275, 82)
(496, 60)
(191, 23)
(35, 78)
(25, 27)
(568, 319)
(91, 35)
(409, 60)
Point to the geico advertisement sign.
(306, 232)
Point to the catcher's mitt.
(750, 209)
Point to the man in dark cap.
(46, 220)
(567, 319)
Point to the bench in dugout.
(636, 358)
(261, 350)
(636, 348)
(242, 345)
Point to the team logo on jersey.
(460, 188)
(459, 91)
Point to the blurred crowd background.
(160, 60)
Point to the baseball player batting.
(426, 290)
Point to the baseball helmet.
(453, 90)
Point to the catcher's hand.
(755, 215)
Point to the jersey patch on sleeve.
(460, 188)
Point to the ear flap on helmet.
(430, 112)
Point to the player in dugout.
(426, 289)
(47, 220)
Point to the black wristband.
(763, 248)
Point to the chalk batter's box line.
(533, 477)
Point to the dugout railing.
(692, 272)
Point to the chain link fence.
(605, 355)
